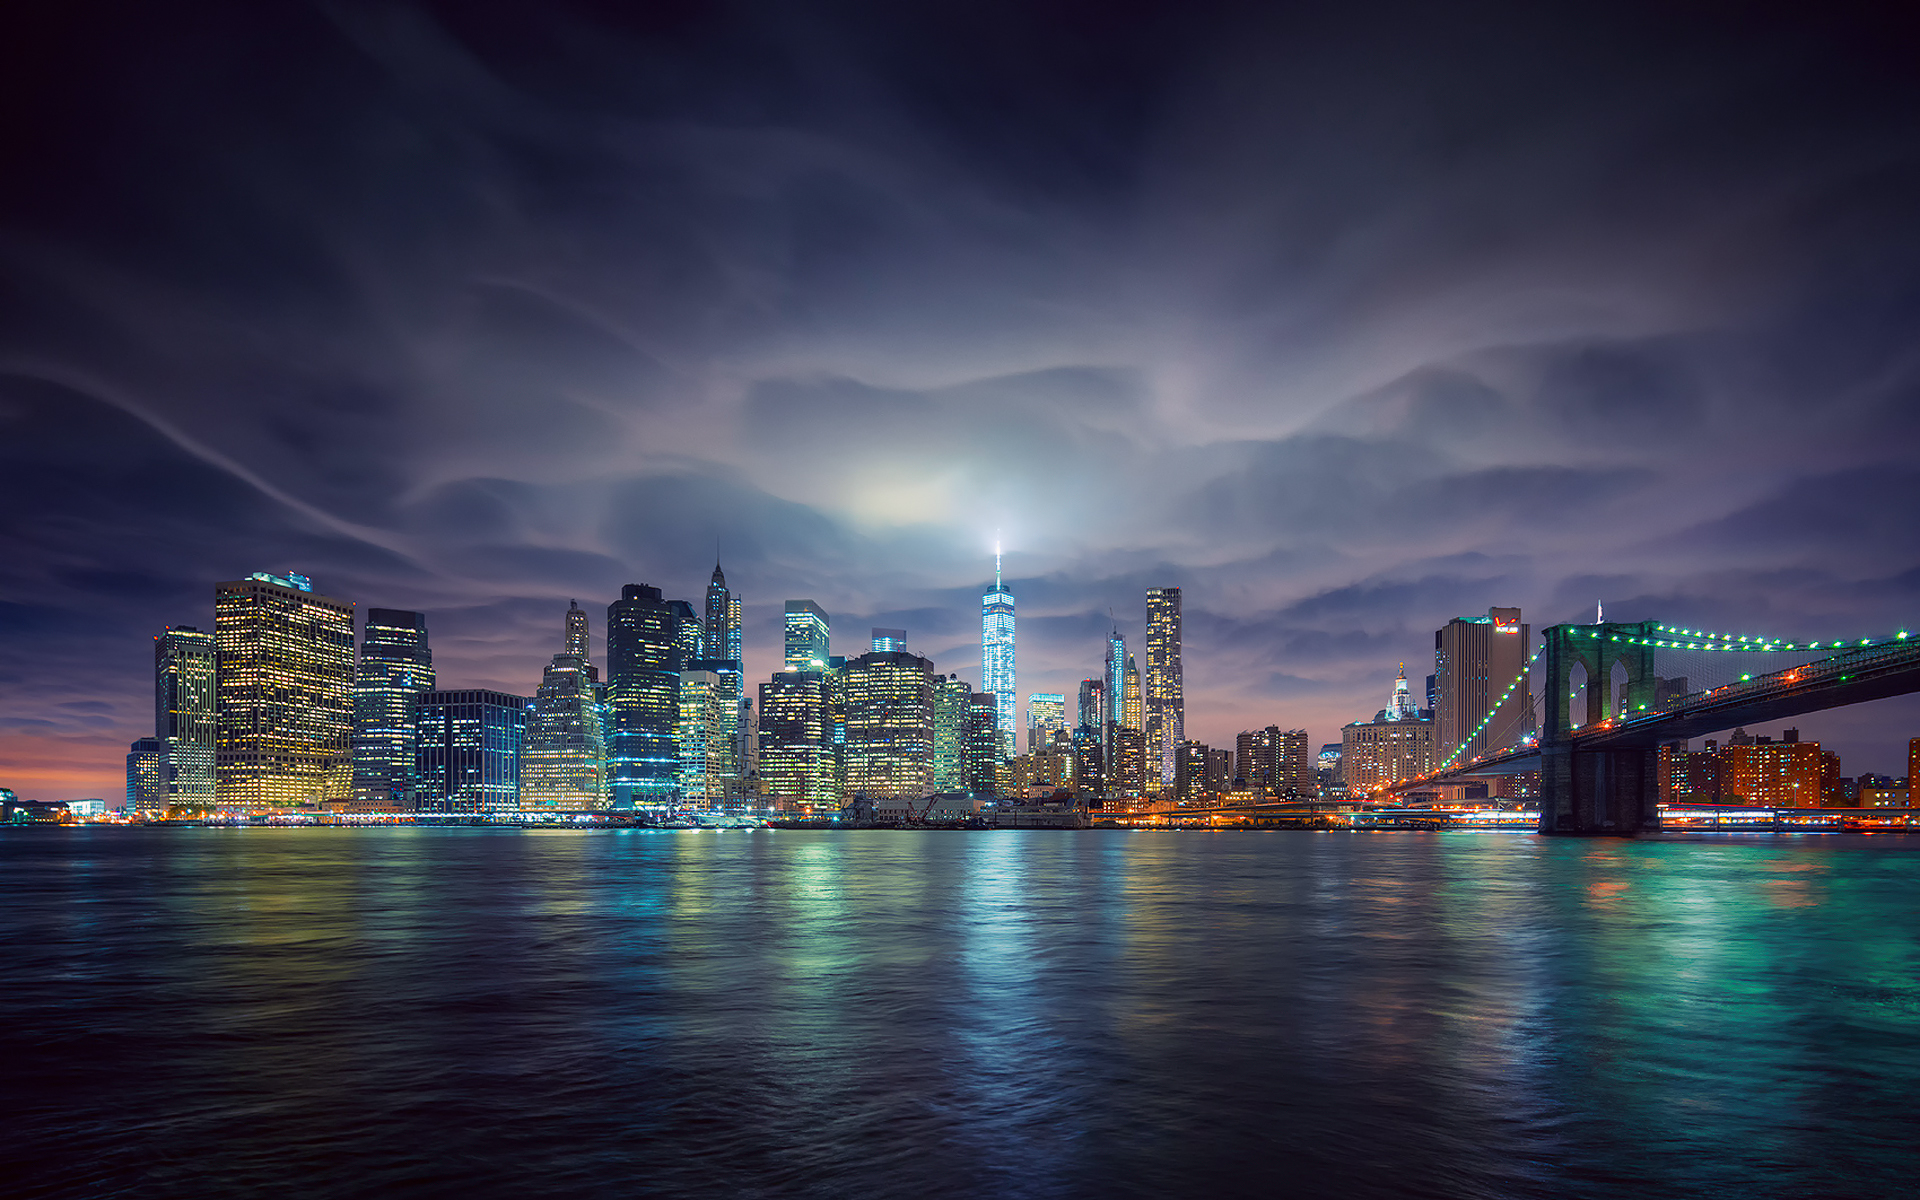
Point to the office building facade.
(806, 637)
(396, 665)
(889, 730)
(796, 743)
(1475, 661)
(284, 686)
(1046, 716)
(563, 764)
(186, 714)
(467, 760)
(997, 668)
(645, 655)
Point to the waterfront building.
(952, 708)
(806, 637)
(996, 654)
(1219, 770)
(186, 715)
(563, 764)
(981, 749)
(147, 778)
(645, 655)
(1788, 773)
(796, 743)
(703, 737)
(1166, 705)
(467, 759)
(1046, 716)
(1385, 750)
(889, 732)
(1475, 661)
(396, 665)
(1273, 760)
(283, 685)
(1133, 713)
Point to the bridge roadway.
(1851, 677)
(1245, 808)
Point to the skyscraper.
(1093, 706)
(703, 738)
(185, 717)
(563, 765)
(889, 749)
(721, 645)
(1474, 662)
(1046, 715)
(1133, 713)
(285, 693)
(981, 744)
(645, 656)
(806, 637)
(146, 778)
(395, 667)
(468, 756)
(796, 742)
(1166, 705)
(996, 654)
(1116, 679)
(952, 706)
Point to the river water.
(466, 1013)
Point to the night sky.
(1346, 319)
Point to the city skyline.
(1222, 321)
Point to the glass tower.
(468, 756)
(185, 717)
(1166, 704)
(806, 636)
(952, 701)
(284, 689)
(996, 654)
(720, 643)
(564, 763)
(796, 742)
(1132, 707)
(704, 736)
(645, 655)
(395, 666)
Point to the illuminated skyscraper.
(285, 693)
(147, 778)
(185, 715)
(1116, 680)
(889, 750)
(704, 738)
(645, 656)
(952, 707)
(468, 757)
(806, 636)
(996, 654)
(1166, 705)
(980, 753)
(1133, 713)
(721, 644)
(886, 641)
(395, 667)
(1474, 664)
(1046, 715)
(796, 742)
(564, 763)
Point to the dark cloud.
(1345, 320)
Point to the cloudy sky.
(1346, 319)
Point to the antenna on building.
(1599, 613)
(996, 560)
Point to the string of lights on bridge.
(1736, 642)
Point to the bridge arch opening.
(1577, 695)
(1616, 699)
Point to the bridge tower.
(1594, 791)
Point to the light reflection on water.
(461, 1012)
